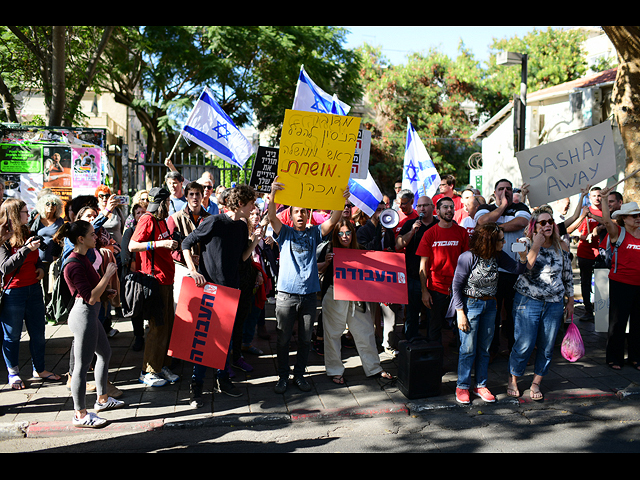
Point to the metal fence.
(149, 174)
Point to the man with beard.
(513, 218)
(439, 250)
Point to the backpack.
(612, 250)
(62, 299)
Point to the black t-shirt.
(411, 259)
(222, 242)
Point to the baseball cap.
(156, 197)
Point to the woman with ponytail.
(89, 336)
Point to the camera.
(43, 246)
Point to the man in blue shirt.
(298, 285)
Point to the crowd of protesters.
(488, 269)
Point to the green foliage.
(447, 98)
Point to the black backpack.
(61, 298)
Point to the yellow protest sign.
(316, 154)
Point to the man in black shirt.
(224, 243)
(408, 239)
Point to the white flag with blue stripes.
(311, 98)
(210, 127)
(365, 194)
(419, 173)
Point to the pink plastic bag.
(572, 345)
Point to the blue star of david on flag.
(420, 174)
(226, 133)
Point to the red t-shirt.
(443, 246)
(589, 250)
(27, 275)
(163, 267)
(628, 262)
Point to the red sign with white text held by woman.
(369, 276)
(204, 323)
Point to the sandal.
(338, 380)
(52, 377)
(513, 391)
(536, 396)
(384, 375)
(615, 366)
(16, 382)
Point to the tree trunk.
(58, 77)
(626, 100)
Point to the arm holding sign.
(327, 227)
(275, 222)
(612, 227)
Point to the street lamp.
(519, 103)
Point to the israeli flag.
(210, 127)
(419, 173)
(311, 98)
(365, 194)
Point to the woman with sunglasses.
(337, 315)
(624, 283)
(539, 304)
(474, 289)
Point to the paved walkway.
(47, 408)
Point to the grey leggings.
(89, 338)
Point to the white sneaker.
(168, 375)
(90, 420)
(152, 380)
(111, 404)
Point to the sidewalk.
(46, 409)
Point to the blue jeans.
(18, 305)
(536, 325)
(474, 346)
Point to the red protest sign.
(203, 323)
(368, 276)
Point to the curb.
(63, 428)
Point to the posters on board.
(203, 323)
(370, 276)
(316, 156)
(561, 169)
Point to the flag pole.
(173, 149)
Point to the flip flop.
(536, 396)
(49, 378)
(16, 382)
(338, 380)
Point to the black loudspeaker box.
(420, 366)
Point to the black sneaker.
(195, 397)
(228, 388)
(282, 385)
(302, 384)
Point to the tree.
(252, 70)
(626, 100)
(67, 60)
(447, 98)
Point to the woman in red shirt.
(23, 301)
(624, 284)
